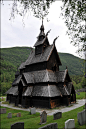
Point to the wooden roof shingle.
(32, 59)
(13, 90)
(39, 42)
(39, 58)
(45, 76)
(17, 80)
(28, 91)
(46, 91)
(61, 75)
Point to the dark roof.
(13, 90)
(22, 66)
(46, 91)
(40, 42)
(9, 90)
(17, 80)
(23, 83)
(32, 59)
(29, 77)
(28, 91)
(41, 34)
(65, 90)
(61, 75)
(41, 57)
(45, 76)
(40, 76)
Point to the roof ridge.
(66, 90)
(49, 90)
(65, 74)
(50, 51)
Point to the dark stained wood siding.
(38, 49)
(52, 61)
(42, 102)
(22, 71)
(36, 67)
(26, 101)
(55, 102)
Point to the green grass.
(4, 99)
(3, 96)
(32, 121)
(81, 96)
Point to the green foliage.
(83, 82)
(73, 63)
(39, 8)
(32, 121)
(11, 58)
(73, 12)
(78, 81)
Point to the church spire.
(42, 27)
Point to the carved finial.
(42, 26)
(48, 32)
(55, 40)
(42, 20)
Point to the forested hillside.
(11, 58)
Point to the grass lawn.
(81, 96)
(4, 99)
(32, 121)
(3, 96)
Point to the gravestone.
(50, 126)
(2, 110)
(17, 125)
(57, 115)
(81, 116)
(9, 115)
(33, 110)
(19, 114)
(43, 117)
(70, 124)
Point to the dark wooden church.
(39, 83)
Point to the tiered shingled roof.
(41, 76)
(45, 76)
(32, 59)
(46, 90)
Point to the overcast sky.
(13, 33)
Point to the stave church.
(38, 81)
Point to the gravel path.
(62, 109)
